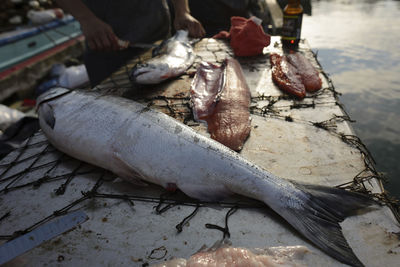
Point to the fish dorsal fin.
(127, 172)
(205, 192)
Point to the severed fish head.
(149, 73)
(171, 59)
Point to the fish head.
(181, 36)
(44, 107)
(51, 94)
(148, 73)
(161, 49)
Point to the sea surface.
(358, 45)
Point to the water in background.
(358, 45)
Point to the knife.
(26, 242)
(125, 44)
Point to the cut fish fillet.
(285, 76)
(239, 257)
(221, 97)
(309, 75)
(206, 86)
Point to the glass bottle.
(291, 29)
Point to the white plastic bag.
(74, 77)
(44, 16)
(57, 69)
(9, 116)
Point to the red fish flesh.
(229, 124)
(223, 102)
(286, 77)
(240, 257)
(309, 75)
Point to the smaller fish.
(171, 59)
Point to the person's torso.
(134, 20)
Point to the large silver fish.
(134, 141)
(172, 58)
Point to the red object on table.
(247, 37)
(29, 102)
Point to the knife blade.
(26, 242)
(142, 45)
(125, 44)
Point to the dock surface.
(309, 141)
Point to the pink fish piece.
(309, 75)
(206, 86)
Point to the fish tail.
(317, 215)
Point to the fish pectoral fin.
(48, 115)
(205, 192)
(127, 172)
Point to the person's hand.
(189, 23)
(99, 35)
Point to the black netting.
(36, 162)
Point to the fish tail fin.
(318, 215)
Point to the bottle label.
(291, 28)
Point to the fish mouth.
(138, 71)
(133, 77)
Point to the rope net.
(37, 164)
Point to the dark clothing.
(215, 15)
(131, 20)
(100, 65)
(134, 20)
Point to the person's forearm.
(99, 35)
(76, 8)
(181, 7)
(185, 21)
